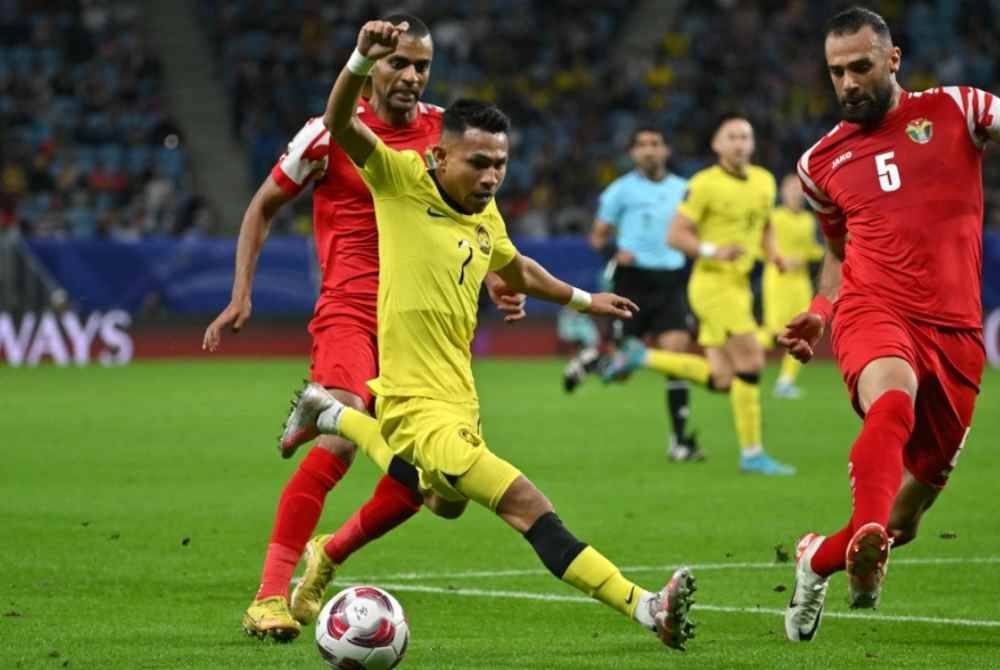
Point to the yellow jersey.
(728, 209)
(795, 236)
(432, 262)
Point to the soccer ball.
(362, 628)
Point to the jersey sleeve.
(389, 173)
(981, 111)
(695, 202)
(610, 206)
(306, 158)
(831, 219)
(504, 250)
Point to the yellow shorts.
(785, 296)
(444, 442)
(723, 304)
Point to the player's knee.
(349, 399)
(446, 509)
(554, 544)
(720, 381)
(339, 447)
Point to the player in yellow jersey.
(439, 234)
(721, 224)
(788, 293)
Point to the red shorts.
(344, 348)
(948, 364)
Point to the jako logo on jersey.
(920, 130)
(840, 159)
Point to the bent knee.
(343, 449)
(446, 509)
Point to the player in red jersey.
(898, 188)
(343, 328)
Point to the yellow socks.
(363, 431)
(790, 368)
(598, 577)
(683, 366)
(745, 399)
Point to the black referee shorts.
(662, 299)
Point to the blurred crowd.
(574, 90)
(87, 148)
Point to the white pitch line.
(530, 572)
(553, 597)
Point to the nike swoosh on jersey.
(631, 594)
(436, 214)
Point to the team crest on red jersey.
(920, 130)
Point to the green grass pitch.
(137, 502)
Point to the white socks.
(746, 452)
(642, 613)
(328, 422)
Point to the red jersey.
(908, 194)
(343, 211)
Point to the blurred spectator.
(86, 142)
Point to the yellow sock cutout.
(598, 577)
(683, 366)
(745, 399)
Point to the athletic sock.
(593, 574)
(744, 395)
(298, 513)
(363, 431)
(678, 398)
(790, 368)
(876, 468)
(581, 566)
(683, 366)
(391, 504)
(830, 557)
(876, 465)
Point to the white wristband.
(707, 249)
(580, 300)
(360, 64)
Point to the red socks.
(391, 504)
(876, 470)
(298, 514)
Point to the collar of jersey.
(454, 209)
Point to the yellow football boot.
(307, 598)
(270, 618)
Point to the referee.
(630, 230)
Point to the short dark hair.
(417, 30)
(728, 116)
(644, 128)
(853, 19)
(467, 113)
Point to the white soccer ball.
(362, 628)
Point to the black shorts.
(662, 299)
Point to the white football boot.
(805, 609)
(671, 609)
(300, 427)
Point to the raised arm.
(376, 40)
(253, 232)
(804, 331)
(525, 275)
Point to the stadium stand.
(88, 147)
